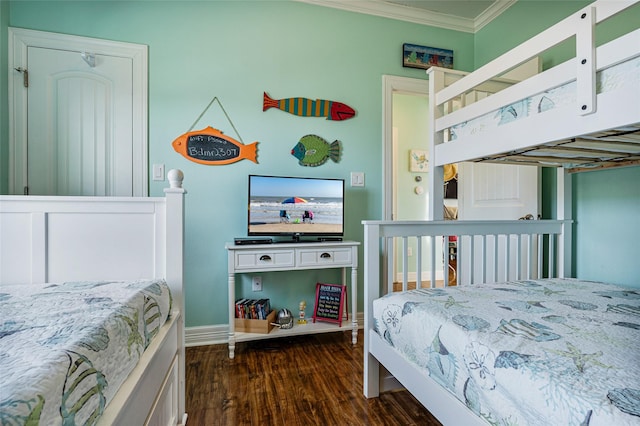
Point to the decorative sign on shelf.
(330, 302)
(211, 147)
(304, 107)
(312, 150)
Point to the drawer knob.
(325, 256)
(265, 258)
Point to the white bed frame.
(531, 245)
(608, 123)
(57, 239)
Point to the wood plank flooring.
(303, 380)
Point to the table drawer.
(265, 259)
(316, 257)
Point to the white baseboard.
(219, 334)
(206, 335)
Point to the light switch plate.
(158, 172)
(357, 179)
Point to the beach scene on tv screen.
(295, 205)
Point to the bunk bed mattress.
(625, 75)
(556, 351)
(66, 348)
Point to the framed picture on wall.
(418, 160)
(424, 57)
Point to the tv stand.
(287, 257)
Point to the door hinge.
(25, 75)
(26, 190)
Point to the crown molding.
(492, 13)
(414, 15)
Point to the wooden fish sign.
(304, 107)
(211, 147)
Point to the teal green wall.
(4, 111)
(607, 214)
(235, 50)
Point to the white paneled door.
(79, 124)
(80, 116)
(497, 191)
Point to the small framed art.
(418, 160)
(424, 57)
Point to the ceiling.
(460, 15)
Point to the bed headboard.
(485, 251)
(53, 239)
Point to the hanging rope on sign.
(211, 147)
(215, 98)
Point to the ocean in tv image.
(282, 205)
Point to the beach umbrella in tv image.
(284, 216)
(294, 200)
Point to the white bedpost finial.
(175, 177)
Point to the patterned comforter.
(624, 75)
(538, 352)
(66, 348)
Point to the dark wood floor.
(305, 380)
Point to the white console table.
(288, 257)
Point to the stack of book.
(253, 308)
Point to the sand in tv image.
(295, 205)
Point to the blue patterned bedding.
(547, 352)
(66, 348)
(624, 75)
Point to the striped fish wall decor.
(304, 107)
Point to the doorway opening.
(405, 152)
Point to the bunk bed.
(515, 341)
(91, 294)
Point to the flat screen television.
(295, 206)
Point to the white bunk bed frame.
(533, 242)
(602, 130)
(58, 239)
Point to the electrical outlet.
(409, 251)
(256, 283)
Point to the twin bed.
(514, 341)
(91, 295)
